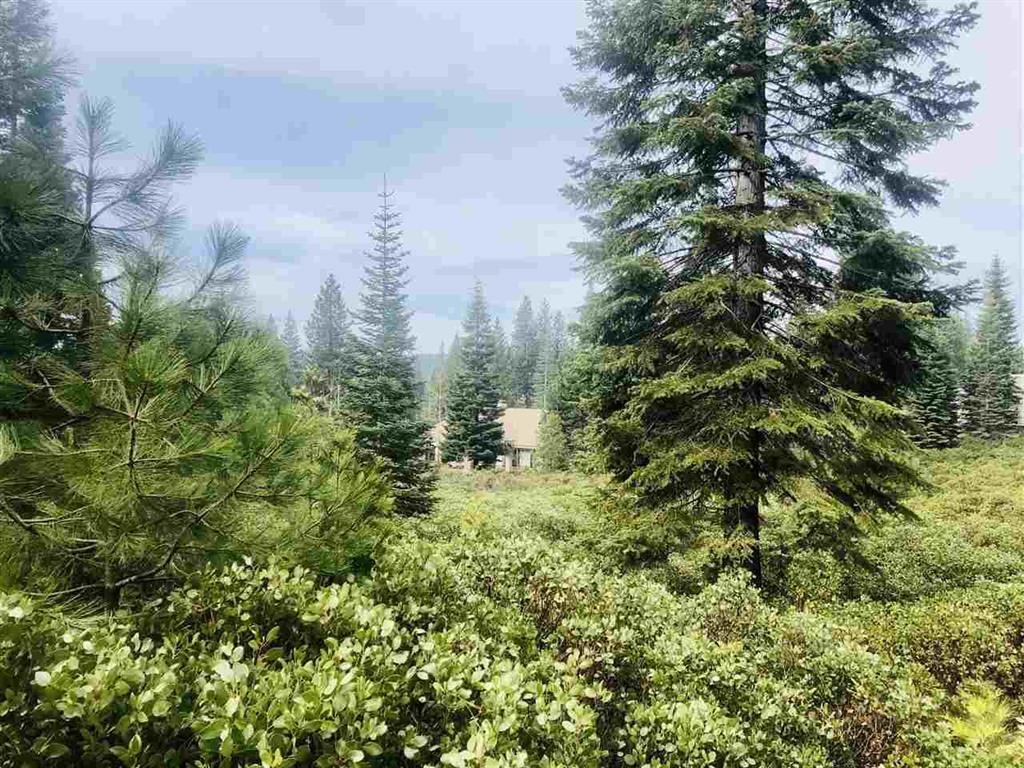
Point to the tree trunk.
(750, 256)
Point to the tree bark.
(750, 256)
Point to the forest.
(776, 512)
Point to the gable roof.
(522, 426)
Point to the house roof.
(520, 425)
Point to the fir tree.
(503, 364)
(559, 338)
(329, 340)
(34, 79)
(474, 430)
(545, 368)
(990, 399)
(552, 448)
(935, 396)
(902, 267)
(740, 146)
(524, 353)
(383, 396)
(296, 355)
(437, 390)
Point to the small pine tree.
(474, 428)
(296, 355)
(990, 398)
(328, 335)
(935, 396)
(382, 396)
(552, 449)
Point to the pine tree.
(990, 399)
(740, 146)
(62, 224)
(474, 428)
(329, 339)
(524, 353)
(151, 439)
(383, 394)
(296, 355)
(935, 396)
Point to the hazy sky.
(304, 106)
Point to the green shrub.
(975, 633)
(260, 666)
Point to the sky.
(304, 108)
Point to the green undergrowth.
(526, 624)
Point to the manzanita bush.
(457, 652)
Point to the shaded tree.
(935, 395)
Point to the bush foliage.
(500, 632)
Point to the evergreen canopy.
(474, 428)
(991, 399)
(383, 394)
(744, 148)
(329, 338)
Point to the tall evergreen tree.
(504, 364)
(296, 355)
(474, 430)
(383, 394)
(329, 339)
(524, 353)
(545, 369)
(935, 395)
(991, 399)
(740, 145)
(34, 78)
(559, 338)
